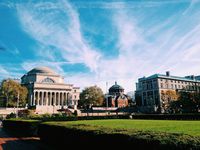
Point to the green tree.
(91, 96)
(11, 91)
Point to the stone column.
(65, 98)
(34, 97)
(50, 102)
(62, 99)
(38, 95)
(42, 98)
(31, 99)
(58, 99)
(46, 98)
(54, 99)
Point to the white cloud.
(58, 26)
(3, 70)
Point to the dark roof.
(116, 87)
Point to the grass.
(168, 126)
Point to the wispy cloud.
(58, 26)
(149, 39)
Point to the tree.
(188, 100)
(91, 96)
(168, 97)
(11, 91)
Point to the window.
(48, 80)
(161, 85)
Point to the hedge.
(86, 136)
(21, 127)
(167, 116)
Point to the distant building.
(48, 92)
(149, 89)
(116, 97)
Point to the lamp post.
(17, 105)
(53, 108)
(181, 109)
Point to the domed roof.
(42, 70)
(116, 87)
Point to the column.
(38, 96)
(54, 99)
(47, 98)
(65, 98)
(50, 102)
(58, 99)
(62, 98)
(34, 98)
(31, 100)
(42, 98)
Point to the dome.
(42, 70)
(116, 87)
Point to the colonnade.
(50, 98)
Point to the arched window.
(48, 80)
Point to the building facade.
(149, 90)
(116, 97)
(48, 92)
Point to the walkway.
(8, 142)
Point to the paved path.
(8, 142)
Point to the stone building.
(116, 97)
(149, 90)
(48, 92)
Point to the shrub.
(21, 127)
(63, 134)
(11, 115)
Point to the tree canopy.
(91, 96)
(10, 92)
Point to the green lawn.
(172, 126)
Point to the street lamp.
(181, 109)
(17, 105)
(53, 108)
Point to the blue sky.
(99, 41)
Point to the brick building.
(116, 97)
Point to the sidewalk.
(8, 142)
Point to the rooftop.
(42, 70)
(187, 78)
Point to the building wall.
(148, 90)
(48, 96)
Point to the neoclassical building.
(116, 97)
(48, 92)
